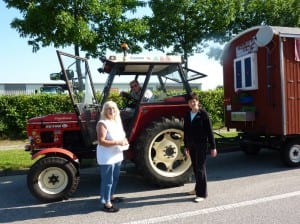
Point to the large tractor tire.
(290, 153)
(160, 154)
(53, 179)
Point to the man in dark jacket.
(198, 135)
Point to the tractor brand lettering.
(139, 58)
(56, 126)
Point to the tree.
(88, 25)
(265, 12)
(185, 26)
(182, 26)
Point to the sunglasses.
(133, 86)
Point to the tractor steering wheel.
(129, 100)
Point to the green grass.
(227, 134)
(227, 139)
(18, 159)
(15, 159)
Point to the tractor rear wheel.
(160, 154)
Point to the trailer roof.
(286, 31)
(278, 30)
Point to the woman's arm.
(101, 137)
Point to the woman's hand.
(122, 142)
(186, 152)
(213, 152)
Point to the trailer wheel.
(290, 154)
(52, 179)
(160, 154)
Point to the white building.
(32, 88)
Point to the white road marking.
(215, 209)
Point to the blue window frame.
(245, 72)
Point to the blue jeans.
(109, 180)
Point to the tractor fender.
(57, 151)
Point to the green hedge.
(213, 102)
(15, 110)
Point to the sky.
(20, 65)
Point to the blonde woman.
(111, 143)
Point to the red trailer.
(261, 69)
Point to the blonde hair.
(108, 104)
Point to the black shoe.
(111, 209)
(117, 200)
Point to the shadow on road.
(17, 204)
(238, 164)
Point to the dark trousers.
(198, 158)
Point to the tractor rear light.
(30, 146)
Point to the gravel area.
(9, 144)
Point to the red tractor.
(154, 128)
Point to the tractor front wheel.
(52, 179)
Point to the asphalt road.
(242, 189)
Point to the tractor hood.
(54, 118)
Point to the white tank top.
(111, 154)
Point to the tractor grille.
(47, 137)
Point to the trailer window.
(245, 72)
